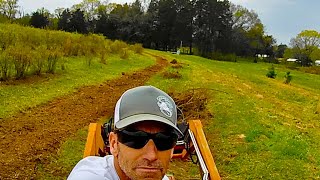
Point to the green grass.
(262, 128)
(20, 97)
(62, 163)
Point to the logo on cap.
(165, 105)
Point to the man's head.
(145, 133)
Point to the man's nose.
(150, 151)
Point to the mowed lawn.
(262, 128)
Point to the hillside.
(261, 127)
(256, 127)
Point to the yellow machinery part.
(94, 141)
(196, 127)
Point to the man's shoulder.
(96, 160)
(94, 167)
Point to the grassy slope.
(15, 98)
(261, 128)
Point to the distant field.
(262, 128)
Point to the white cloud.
(240, 2)
(284, 19)
(32, 5)
(29, 6)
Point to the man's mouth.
(148, 169)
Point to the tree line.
(202, 27)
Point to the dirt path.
(28, 139)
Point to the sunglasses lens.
(165, 141)
(138, 139)
(135, 139)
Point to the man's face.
(145, 163)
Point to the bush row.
(26, 50)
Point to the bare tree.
(90, 8)
(9, 8)
(58, 12)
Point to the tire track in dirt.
(30, 138)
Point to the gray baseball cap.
(145, 103)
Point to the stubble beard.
(129, 168)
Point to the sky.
(283, 19)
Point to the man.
(142, 141)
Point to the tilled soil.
(30, 138)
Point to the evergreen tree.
(183, 25)
(163, 32)
(206, 26)
(78, 22)
(39, 20)
(64, 21)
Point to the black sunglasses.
(138, 139)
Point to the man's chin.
(143, 173)
(150, 178)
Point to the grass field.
(29, 92)
(261, 128)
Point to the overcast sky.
(283, 19)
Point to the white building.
(292, 60)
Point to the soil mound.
(192, 103)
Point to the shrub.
(21, 57)
(271, 73)
(311, 69)
(104, 51)
(7, 37)
(5, 66)
(223, 57)
(288, 78)
(76, 46)
(124, 53)
(172, 74)
(95, 44)
(52, 58)
(103, 58)
(137, 48)
(117, 46)
(39, 58)
(67, 47)
(184, 50)
(26, 50)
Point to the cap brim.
(146, 117)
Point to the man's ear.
(113, 140)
